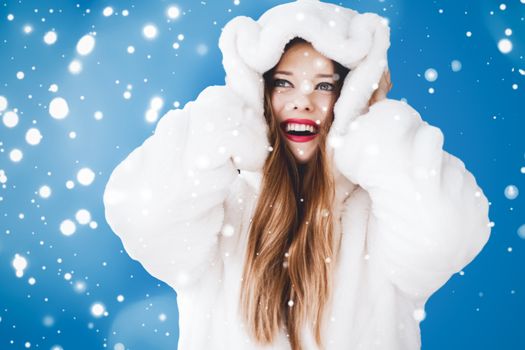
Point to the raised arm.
(165, 200)
(428, 216)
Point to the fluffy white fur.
(411, 215)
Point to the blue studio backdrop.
(82, 83)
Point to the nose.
(303, 102)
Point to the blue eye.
(325, 86)
(281, 83)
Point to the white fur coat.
(410, 214)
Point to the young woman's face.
(304, 90)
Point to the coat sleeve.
(165, 200)
(428, 217)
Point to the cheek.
(278, 103)
(326, 105)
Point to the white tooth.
(302, 127)
(309, 128)
(295, 127)
(288, 127)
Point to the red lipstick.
(300, 138)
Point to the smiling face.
(303, 93)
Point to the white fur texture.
(410, 214)
(357, 41)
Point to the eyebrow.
(320, 75)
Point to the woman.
(296, 207)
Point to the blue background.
(479, 111)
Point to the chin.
(303, 158)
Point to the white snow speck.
(50, 37)
(176, 45)
(151, 116)
(16, 155)
(290, 303)
(162, 317)
(31, 281)
(419, 315)
(228, 230)
(456, 65)
(173, 12)
(120, 298)
(28, 29)
(75, 67)
(20, 75)
(10, 17)
(125, 13)
(68, 276)
(108, 11)
(58, 108)
(119, 346)
(521, 231)
(431, 74)
(98, 115)
(306, 87)
(180, 37)
(514, 86)
(130, 49)
(53, 88)
(80, 286)
(508, 32)
(3, 103)
(156, 103)
(502, 7)
(3, 177)
(44, 191)
(72, 135)
(85, 176)
(149, 31)
(86, 44)
(27, 345)
(57, 347)
(33, 136)
(505, 46)
(468, 34)
(83, 216)
(10, 119)
(70, 184)
(511, 192)
(68, 227)
(48, 321)
(20, 264)
(127, 95)
(98, 310)
(202, 49)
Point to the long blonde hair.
(287, 276)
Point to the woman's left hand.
(385, 85)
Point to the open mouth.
(300, 130)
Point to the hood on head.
(357, 41)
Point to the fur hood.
(357, 41)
